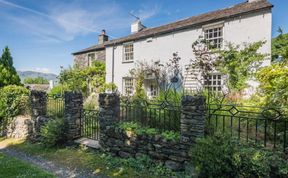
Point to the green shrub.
(171, 135)
(140, 130)
(13, 101)
(108, 87)
(213, 157)
(91, 102)
(54, 132)
(222, 156)
(58, 90)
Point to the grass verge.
(95, 161)
(11, 167)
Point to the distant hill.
(33, 74)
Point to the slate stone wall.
(81, 60)
(38, 103)
(173, 154)
(72, 113)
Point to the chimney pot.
(103, 32)
(102, 38)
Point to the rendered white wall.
(249, 28)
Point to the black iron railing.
(90, 124)
(264, 126)
(55, 106)
(162, 116)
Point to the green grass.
(11, 167)
(95, 161)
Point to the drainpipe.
(113, 48)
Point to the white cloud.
(147, 12)
(63, 22)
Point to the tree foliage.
(280, 46)
(8, 74)
(239, 64)
(80, 79)
(37, 80)
(274, 85)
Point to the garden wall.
(174, 153)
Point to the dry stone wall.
(172, 153)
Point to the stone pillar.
(38, 101)
(72, 113)
(109, 113)
(192, 119)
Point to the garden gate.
(90, 124)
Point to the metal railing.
(162, 116)
(263, 126)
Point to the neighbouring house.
(86, 56)
(247, 22)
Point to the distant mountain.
(33, 74)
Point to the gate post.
(38, 101)
(109, 113)
(72, 113)
(192, 118)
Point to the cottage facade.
(243, 23)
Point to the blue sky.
(43, 34)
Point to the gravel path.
(49, 166)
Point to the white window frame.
(155, 92)
(215, 83)
(124, 84)
(128, 56)
(210, 29)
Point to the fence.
(55, 106)
(162, 116)
(263, 126)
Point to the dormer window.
(128, 52)
(214, 36)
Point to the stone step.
(88, 142)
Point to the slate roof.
(206, 18)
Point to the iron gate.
(90, 124)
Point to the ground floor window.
(214, 82)
(152, 90)
(128, 87)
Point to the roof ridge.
(235, 10)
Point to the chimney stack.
(102, 37)
(137, 26)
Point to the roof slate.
(218, 15)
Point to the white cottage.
(247, 22)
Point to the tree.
(239, 64)
(37, 80)
(80, 79)
(280, 46)
(274, 85)
(8, 74)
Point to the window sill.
(127, 61)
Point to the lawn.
(11, 167)
(94, 161)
